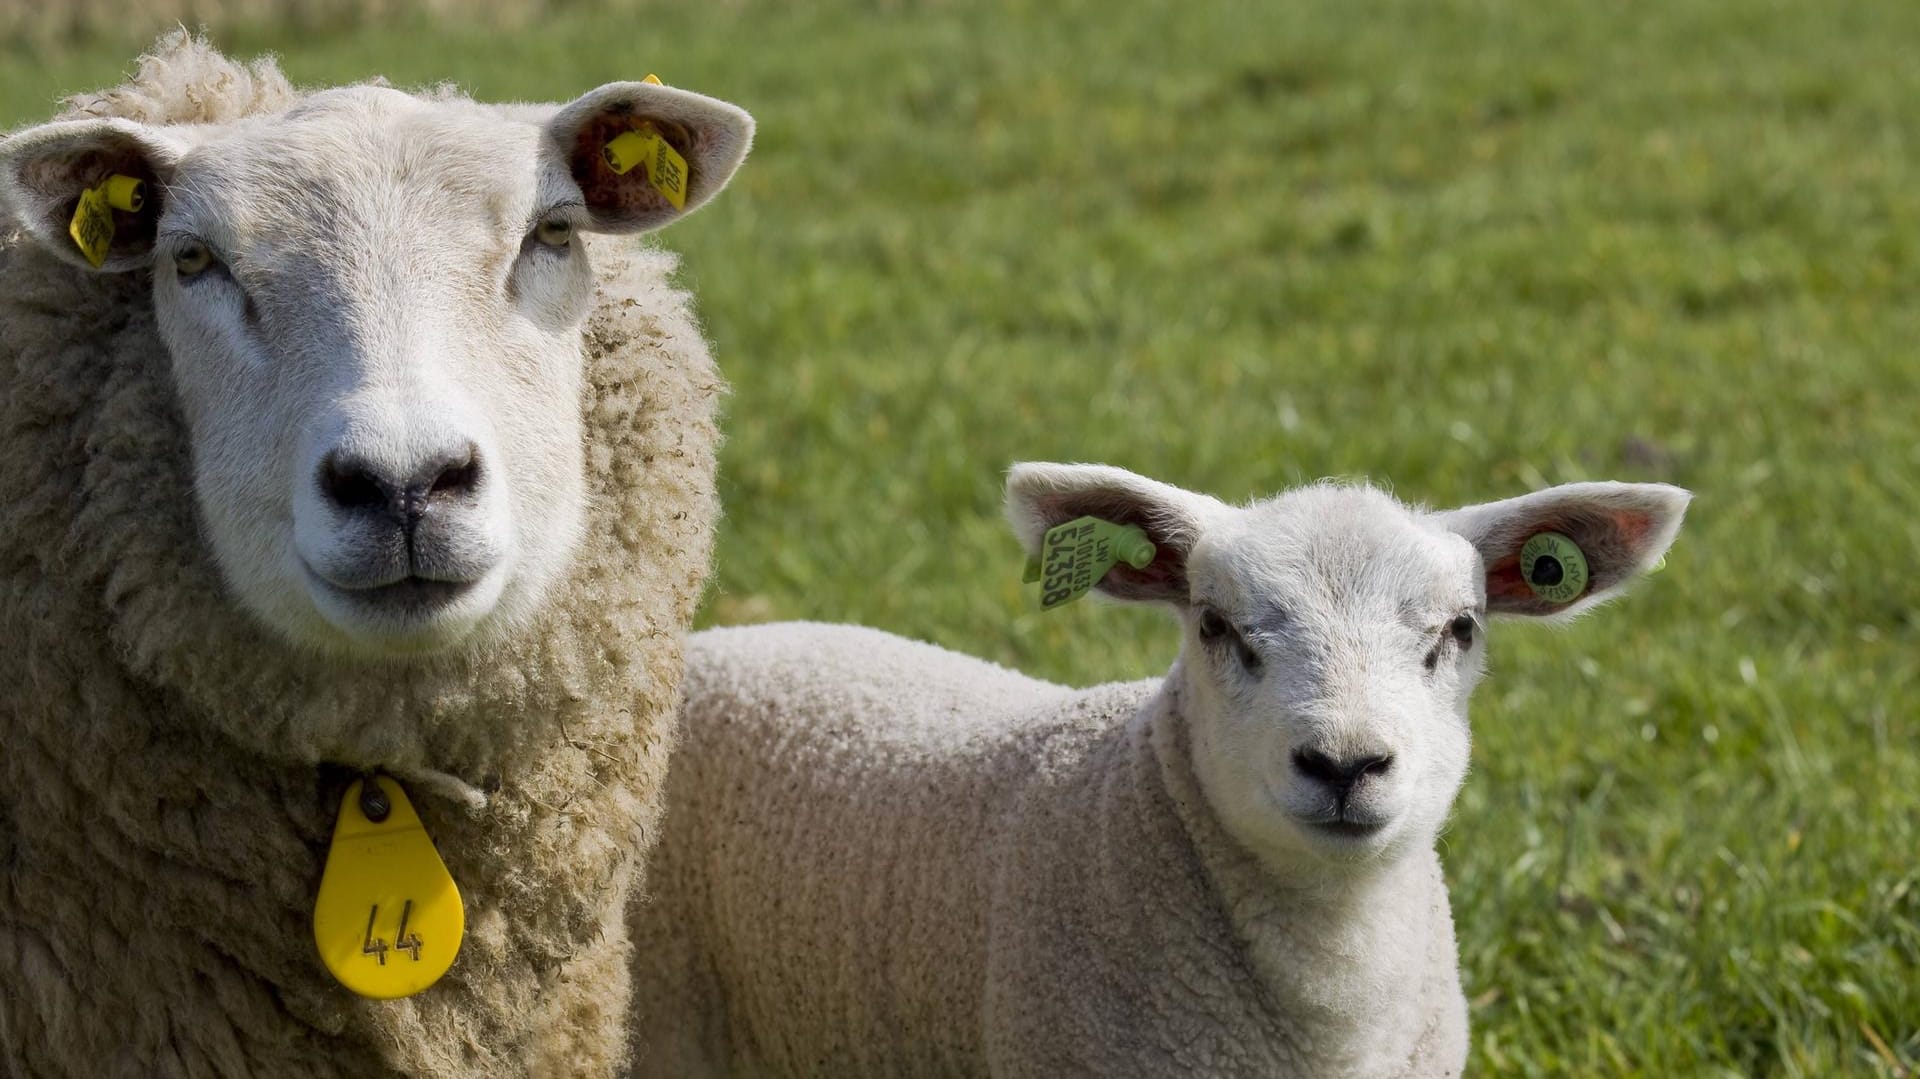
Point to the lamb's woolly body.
(171, 771)
(1037, 871)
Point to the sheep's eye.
(1462, 630)
(554, 232)
(1213, 626)
(192, 259)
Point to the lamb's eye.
(1215, 628)
(192, 259)
(1462, 630)
(554, 232)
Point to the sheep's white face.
(1334, 635)
(376, 338)
(374, 304)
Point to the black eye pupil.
(1463, 629)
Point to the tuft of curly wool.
(183, 79)
(170, 772)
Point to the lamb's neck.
(1348, 954)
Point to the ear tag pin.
(388, 919)
(1074, 557)
(1554, 567)
(92, 224)
(644, 146)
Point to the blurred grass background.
(1467, 247)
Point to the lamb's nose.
(1340, 776)
(356, 485)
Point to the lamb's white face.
(1334, 635)
(1333, 638)
(374, 304)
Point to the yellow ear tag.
(92, 224)
(654, 79)
(388, 919)
(668, 171)
(629, 149)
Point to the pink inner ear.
(1619, 533)
(1633, 526)
(1165, 577)
(1165, 573)
(62, 179)
(1504, 582)
(617, 196)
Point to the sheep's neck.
(1383, 933)
(200, 869)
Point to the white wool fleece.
(882, 858)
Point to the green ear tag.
(1554, 568)
(1076, 555)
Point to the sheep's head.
(374, 305)
(1333, 634)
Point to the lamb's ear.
(45, 169)
(1621, 529)
(710, 135)
(1040, 496)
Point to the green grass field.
(1466, 248)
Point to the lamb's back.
(833, 810)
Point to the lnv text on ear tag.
(388, 919)
(1074, 557)
(1554, 567)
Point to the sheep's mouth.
(405, 604)
(409, 595)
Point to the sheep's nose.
(1340, 775)
(356, 485)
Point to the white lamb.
(881, 858)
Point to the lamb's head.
(1333, 634)
(373, 302)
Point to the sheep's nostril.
(350, 485)
(354, 485)
(1317, 765)
(1376, 766)
(457, 477)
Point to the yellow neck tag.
(388, 919)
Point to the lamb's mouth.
(1346, 826)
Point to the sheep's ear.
(1040, 496)
(711, 136)
(44, 170)
(1621, 529)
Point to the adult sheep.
(881, 858)
(346, 458)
